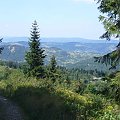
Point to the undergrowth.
(44, 100)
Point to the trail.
(9, 110)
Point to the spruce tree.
(35, 56)
(53, 64)
(53, 67)
(1, 48)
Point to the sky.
(56, 18)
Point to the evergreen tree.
(111, 22)
(53, 64)
(53, 67)
(35, 56)
(1, 48)
(68, 81)
(110, 18)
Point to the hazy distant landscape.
(60, 40)
(69, 52)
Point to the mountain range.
(59, 40)
(69, 52)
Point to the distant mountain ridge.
(99, 48)
(69, 54)
(82, 40)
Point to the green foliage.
(109, 116)
(99, 87)
(53, 68)
(115, 87)
(10, 64)
(108, 87)
(40, 99)
(112, 58)
(111, 22)
(35, 56)
(53, 64)
(4, 73)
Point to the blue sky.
(56, 18)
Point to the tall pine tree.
(35, 56)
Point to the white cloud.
(89, 1)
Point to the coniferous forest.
(54, 92)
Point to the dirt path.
(9, 110)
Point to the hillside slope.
(40, 99)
